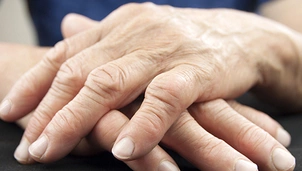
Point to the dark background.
(10, 135)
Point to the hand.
(14, 64)
(201, 148)
(201, 65)
(16, 59)
(12, 55)
(104, 134)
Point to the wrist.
(281, 71)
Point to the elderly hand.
(16, 59)
(176, 57)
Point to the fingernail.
(283, 137)
(166, 165)
(123, 149)
(245, 165)
(283, 160)
(38, 148)
(21, 154)
(5, 107)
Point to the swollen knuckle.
(152, 125)
(167, 95)
(71, 73)
(147, 4)
(107, 81)
(137, 6)
(57, 55)
(164, 105)
(165, 91)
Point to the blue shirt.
(48, 14)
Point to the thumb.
(74, 23)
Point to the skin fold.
(184, 74)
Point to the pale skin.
(11, 55)
(204, 63)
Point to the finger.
(70, 79)
(125, 85)
(222, 121)
(23, 122)
(264, 121)
(44, 113)
(31, 88)
(15, 60)
(74, 23)
(202, 149)
(105, 133)
(166, 97)
(102, 92)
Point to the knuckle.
(161, 89)
(137, 6)
(152, 125)
(209, 146)
(67, 123)
(213, 146)
(107, 81)
(57, 55)
(70, 75)
(169, 91)
(165, 105)
(27, 86)
(147, 6)
(37, 123)
(252, 138)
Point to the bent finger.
(31, 87)
(166, 97)
(101, 93)
(44, 113)
(73, 24)
(222, 121)
(264, 121)
(105, 133)
(202, 149)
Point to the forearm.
(15, 60)
(287, 12)
(287, 87)
(282, 73)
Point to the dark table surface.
(10, 135)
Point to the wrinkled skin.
(179, 59)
